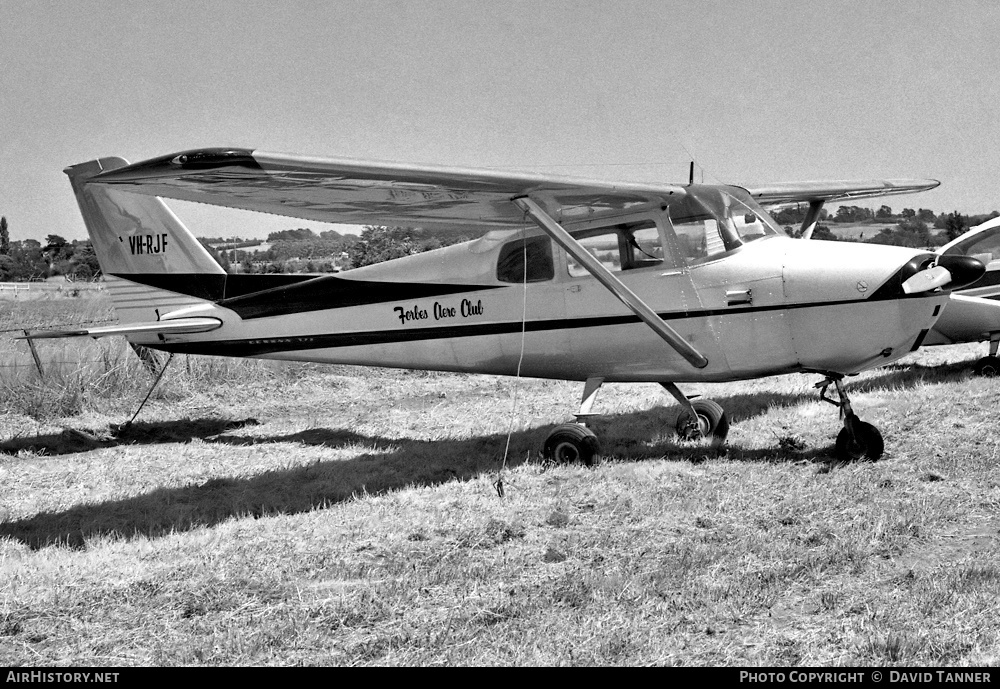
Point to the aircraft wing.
(168, 327)
(810, 192)
(361, 192)
(354, 192)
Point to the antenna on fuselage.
(691, 174)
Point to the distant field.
(861, 231)
(857, 232)
(261, 513)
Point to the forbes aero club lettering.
(440, 311)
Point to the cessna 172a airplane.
(575, 279)
(973, 312)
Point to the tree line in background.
(290, 251)
(301, 250)
(918, 229)
(29, 259)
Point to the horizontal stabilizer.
(177, 326)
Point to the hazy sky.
(756, 91)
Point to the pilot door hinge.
(739, 296)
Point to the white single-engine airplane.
(973, 312)
(576, 279)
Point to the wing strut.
(606, 278)
(809, 222)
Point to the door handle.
(739, 296)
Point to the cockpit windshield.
(713, 220)
(984, 245)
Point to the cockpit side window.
(697, 231)
(710, 221)
(526, 260)
(627, 246)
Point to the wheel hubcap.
(704, 425)
(566, 452)
(695, 429)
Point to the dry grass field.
(260, 513)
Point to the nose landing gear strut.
(857, 440)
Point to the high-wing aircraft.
(973, 312)
(574, 279)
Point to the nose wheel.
(861, 443)
(857, 441)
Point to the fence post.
(34, 354)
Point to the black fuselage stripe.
(269, 345)
(267, 296)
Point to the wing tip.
(172, 164)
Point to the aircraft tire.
(712, 422)
(988, 367)
(571, 443)
(867, 445)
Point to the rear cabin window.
(622, 247)
(526, 260)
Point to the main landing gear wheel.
(863, 444)
(571, 443)
(988, 366)
(712, 422)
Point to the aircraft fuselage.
(775, 305)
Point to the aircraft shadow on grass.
(385, 464)
(74, 441)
